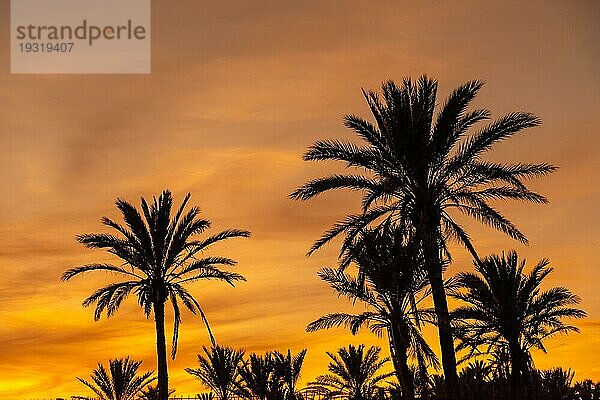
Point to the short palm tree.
(476, 381)
(587, 390)
(392, 284)
(152, 393)
(554, 384)
(160, 255)
(259, 379)
(418, 166)
(287, 369)
(219, 370)
(120, 382)
(507, 309)
(354, 373)
(272, 376)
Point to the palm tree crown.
(259, 378)
(272, 376)
(506, 308)
(422, 166)
(219, 370)
(120, 382)
(288, 367)
(354, 373)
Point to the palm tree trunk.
(440, 303)
(399, 353)
(429, 235)
(161, 350)
(423, 378)
(518, 371)
(445, 333)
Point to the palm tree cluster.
(503, 315)
(354, 372)
(482, 381)
(418, 168)
(271, 376)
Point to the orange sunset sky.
(238, 90)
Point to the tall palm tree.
(418, 166)
(120, 382)
(288, 368)
(219, 370)
(160, 255)
(507, 309)
(354, 373)
(392, 285)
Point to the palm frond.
(321, 185)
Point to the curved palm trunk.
(399, 352)
(445, 333)
(161, 350)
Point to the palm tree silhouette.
(219, 370)
(587, 390)
(160, 256)
(152, 393)
(259, 378)
(288, 368)
(272, 376)
(417, 167)
(555, 384)
(120, 382)
(354, 373)
(392, 284)
(507, 309)
(475, 381)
